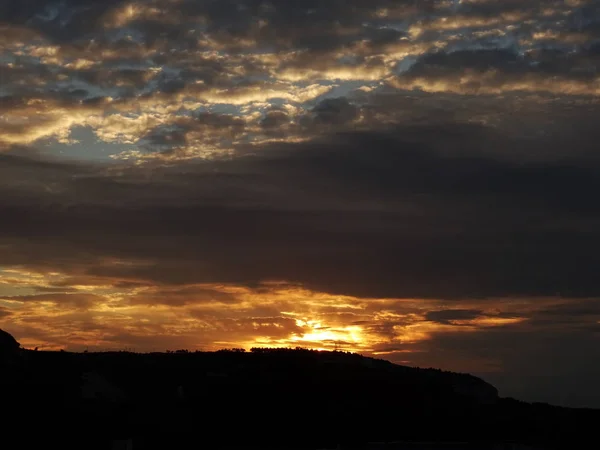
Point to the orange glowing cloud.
(98, 315)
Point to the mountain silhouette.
(8, 344)
(272, 398)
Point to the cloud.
(334, 111)
(401, 219)
(60, 21)
(78, 300)
(574, 314)
(151, 55)
(449, 315)
(497, 71)
(180, 296)
(217, 315)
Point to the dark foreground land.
(265, 399)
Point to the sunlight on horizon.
(100, 313)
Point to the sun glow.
(93, 312)
(350, 336)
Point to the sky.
(412, 180)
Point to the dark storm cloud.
(309, 25)
(334, 111)
(165, 137)
(213, 128)
(366, 214)
(448, 316)
(275, 118)
(60, 20)
(581, 314)
(508, 62)
(297, 24)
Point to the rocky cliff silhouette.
(269, 397)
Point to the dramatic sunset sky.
(417, 180)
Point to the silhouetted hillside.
(266, 397)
